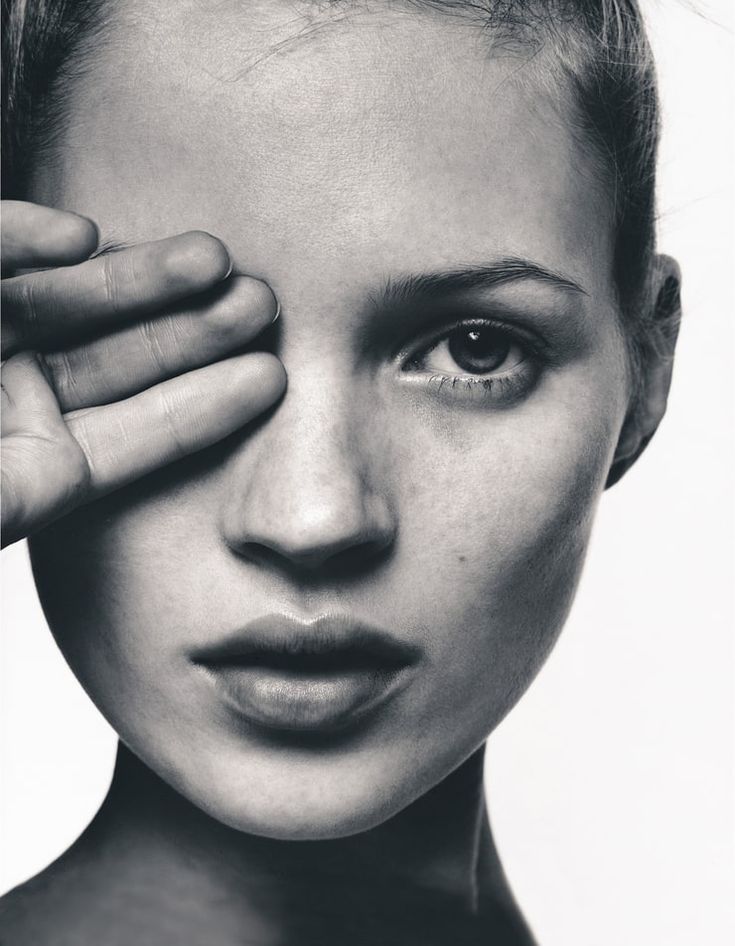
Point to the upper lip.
(329, 642)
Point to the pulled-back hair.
(599, 48)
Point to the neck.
(427, 873)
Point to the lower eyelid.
(502, 389)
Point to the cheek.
(495, 508)
(497, 523)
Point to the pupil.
(479, 350)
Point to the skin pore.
(388, 484)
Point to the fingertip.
(35, 235)
(265, 374)
(271, 371)
(64, 232)
(264, 300)
(79, 232)
(201, 258)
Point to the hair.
(600, 48)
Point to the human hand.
(103, 381)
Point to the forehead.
(352, 140)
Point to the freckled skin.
(387, 144)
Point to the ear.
(648, 404)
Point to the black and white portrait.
(367, 460)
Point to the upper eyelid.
(553, 324)
(533, 343)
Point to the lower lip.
(313, 702)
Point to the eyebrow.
(508, 269)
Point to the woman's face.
(433, 467)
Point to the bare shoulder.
(94, 898)
(61, 906)
(32, 910)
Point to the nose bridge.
(309, 485)
(319, 457)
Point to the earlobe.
(657, 341)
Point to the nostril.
(339, 559)
(355, 559)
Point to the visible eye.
(478, 358)
(474, 350)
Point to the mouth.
(318, 676)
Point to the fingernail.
(227, 250)
(278, 311)
(229, 257)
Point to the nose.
(308, 493)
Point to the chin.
(284, 819)
(301, 802)
(326, 823)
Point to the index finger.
(60, 304)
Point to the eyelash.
(506, 387)
(503, 387)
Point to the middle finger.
(137, 357)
